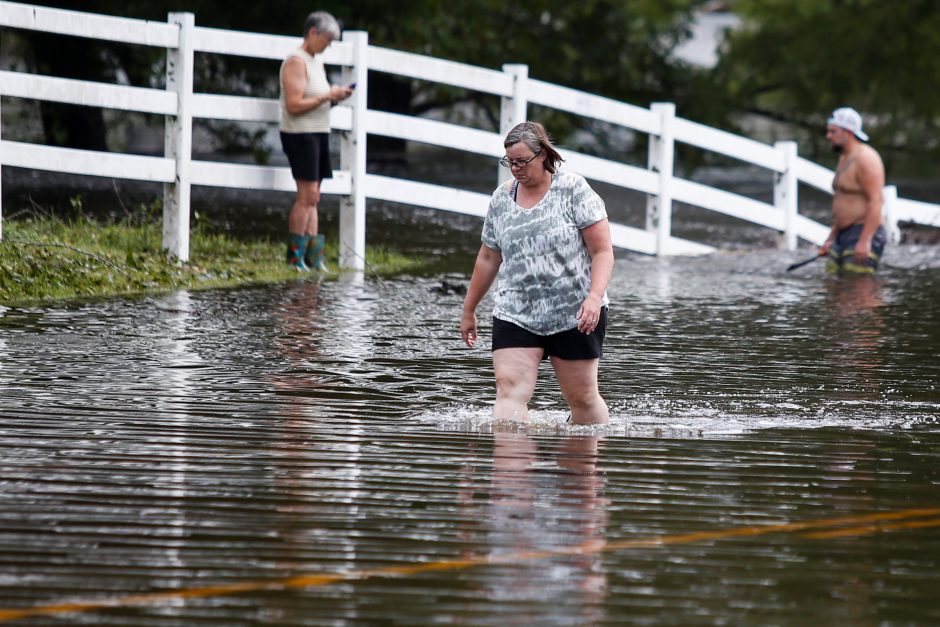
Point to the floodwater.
(322, 454)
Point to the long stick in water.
(800, 264)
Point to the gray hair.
(534, 135)
(324, 22)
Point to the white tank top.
(316, 120)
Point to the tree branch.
(72, 248)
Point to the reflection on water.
(199, 439)
(856, 303)
(542, 499)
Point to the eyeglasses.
(506, 162)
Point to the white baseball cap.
(849, 119)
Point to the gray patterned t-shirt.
(546, 270)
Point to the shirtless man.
(858, 236)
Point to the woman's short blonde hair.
(534, 135)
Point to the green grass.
(45, 259)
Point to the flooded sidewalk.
(322, 454)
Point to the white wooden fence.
(181, 39)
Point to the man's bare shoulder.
(869, 158)
(869, 169)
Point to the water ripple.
(209, 438)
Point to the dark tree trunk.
(68, 125)
(73, 126)
(392, 94)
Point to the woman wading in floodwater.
(547, 238)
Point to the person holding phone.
(305, 101)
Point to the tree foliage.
(792, 60)
(617, 48)
(797, 60)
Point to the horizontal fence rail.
(354, 122)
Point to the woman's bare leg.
(516, 371)
(578, 381)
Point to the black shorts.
(570, 344)
(308, 155)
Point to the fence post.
(890, 195)
(352, 208)
(513, 109)
(178, 139)
(661, 157)
(785, 194)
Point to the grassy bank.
(45, 258)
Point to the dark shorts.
(570, 344)
(842, 253)
(308, 155)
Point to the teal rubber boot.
(296, 246)
(314, 255)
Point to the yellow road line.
(869, 529)
(846, 526)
